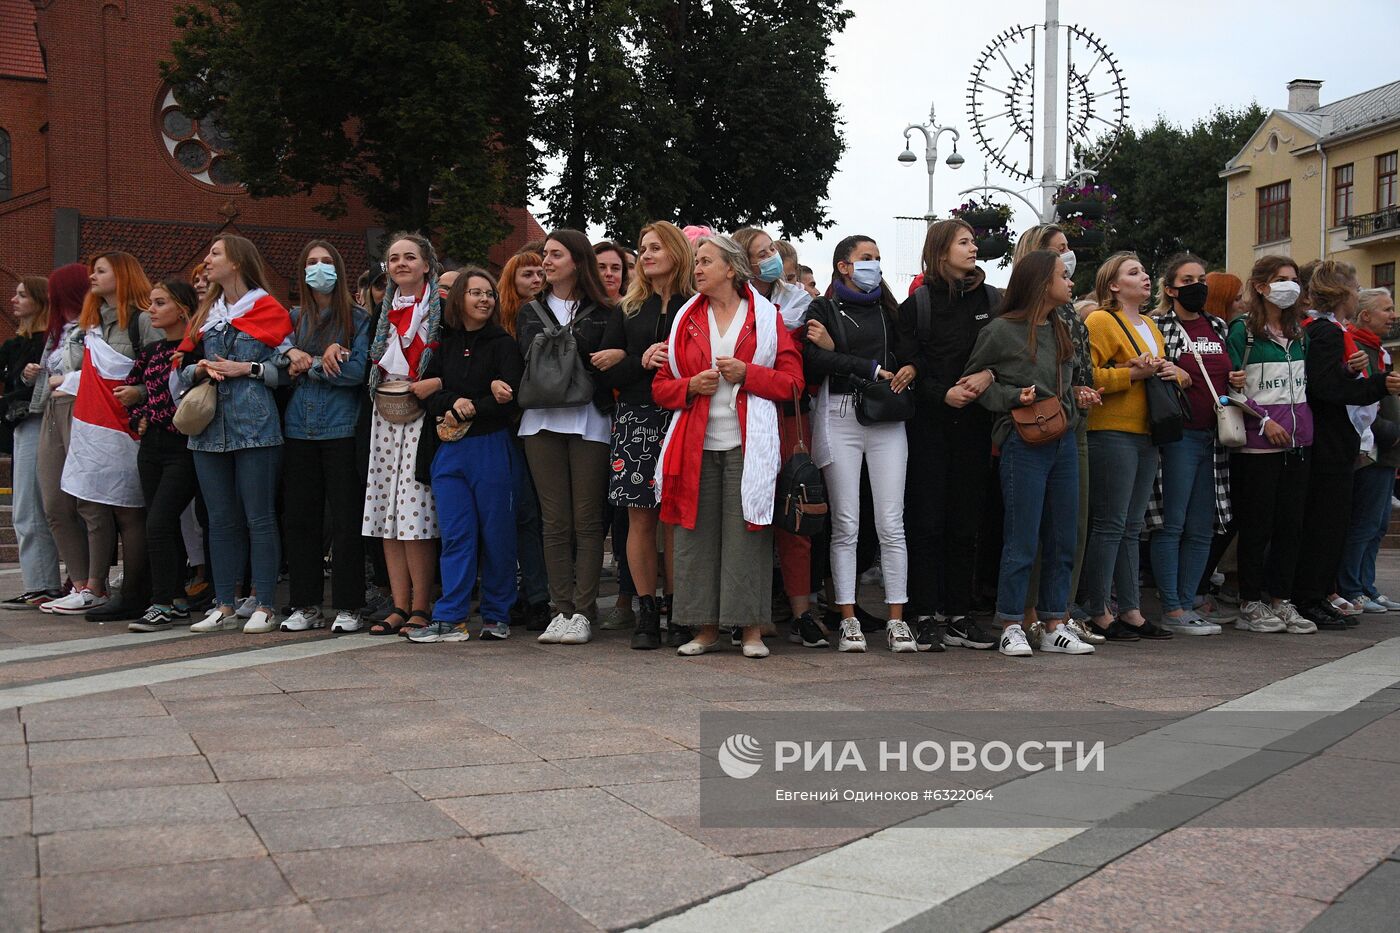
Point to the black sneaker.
(1324, 615)
(537, 617)
(805, 631)
(964, 632)
(928, 634)
(115, 610)
(156, 619)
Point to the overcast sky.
(1179, 59)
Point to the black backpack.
(801, 506)
(923, 304)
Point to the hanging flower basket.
(983, 219)
(1088, 237)
(1092, 210)
(994, 246)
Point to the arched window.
(6, 188)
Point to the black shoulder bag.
(875, 400)
(1168, 408)
(800, 505)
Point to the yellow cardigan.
(1124, 405)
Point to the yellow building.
(1320, 181)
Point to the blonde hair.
(1037, 237)
(682, 274)
(1108, 274)
(1332, 283)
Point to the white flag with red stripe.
(101, 462)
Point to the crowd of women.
(460, 445)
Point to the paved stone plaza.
(302, 782)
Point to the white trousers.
(884, 450)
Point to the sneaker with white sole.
(555, 630)
(215, 621)
(347, 621)
(1063, 641)
(1389, 604)
(965, 632)
(577, 632)
(1344, 606)
(1013, 642)
(262, 621)
(1369, 606)
(852, 639)
(1083, 631)
(1292, 619)
(246, 608)
(440, 631)
(1035, 633)
(303, 619)
(495, 631)
(899, 638)
(1214, 611)
(1190, 622)
(76, 603)
(1258, 616)
(156, 619)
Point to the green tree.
(407, 103)
(1170, 194)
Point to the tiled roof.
(163, 247)
(20, 56)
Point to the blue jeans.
(240, 492)
(1040, 488)
(529, 534)
(1181, 547)
(473, 484)
(1122, 467)
(1372, 488)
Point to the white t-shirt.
(585, 420)
(1149, 342)
(722, 428)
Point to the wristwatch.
(255, 370)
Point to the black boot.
(676, 635)
(647, 635)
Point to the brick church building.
(96, 155)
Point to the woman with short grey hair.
(726, 364)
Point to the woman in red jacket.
(729, 359)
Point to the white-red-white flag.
(101, 462)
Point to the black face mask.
(1193, 297)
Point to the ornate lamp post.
(932, 131)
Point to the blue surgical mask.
(866, 274)
(321, 276)
(771, 269)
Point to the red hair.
(133, 290)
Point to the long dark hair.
(585, 267)
(454, 306)
(342, 317)
(842, 253)
(1027, 298)
(1256, 315)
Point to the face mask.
(1284, 294)
(1193, 297)
(771, 269)
(321, 277)
(866, 274)
(1070, 261)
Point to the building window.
(1343, 192)
(1273, 212)
(6, 188)
(1383, 276)
(197, 146)
(1385, 181)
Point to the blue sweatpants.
(474, 485)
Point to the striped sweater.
(1275, 384)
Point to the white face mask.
(1070, 261)
(1284, 295)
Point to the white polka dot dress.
(397, 506)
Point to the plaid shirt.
(1174, 340)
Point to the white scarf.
(220, 314)
(393, 362)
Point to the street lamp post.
(932, 131)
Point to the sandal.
(409, 627)
(388, 628)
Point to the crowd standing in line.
(446, 444)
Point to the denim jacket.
(324, 407)
(245, 414)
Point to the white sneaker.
(74, 604)
(1217, 612)
(852, 639)
(346, 621)
(1013, 642)
(1369, 606)
(1389, 604)
(1293, 621)
(262, 621)
(216, 621)
(1190, 622)
(578, 632)
(899, 638)
(1257, 616)
(555, 631)
(304, 619)
(1064, 641)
